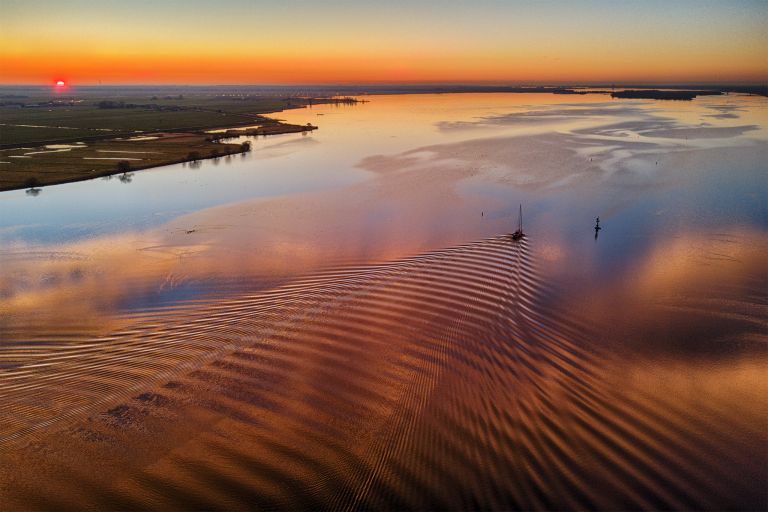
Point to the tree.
(123, 166)
(194, 156)
(245, 147)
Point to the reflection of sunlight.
(230, 244)
(694, 288)
(46, 286)
(551, 252)
(702, 261)
(543, 145)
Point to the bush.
(194, 156)
(123, 166)
(110, 104)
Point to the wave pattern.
(446, 380)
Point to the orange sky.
(300, 42)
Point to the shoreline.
(272, 129)
(258, 116)
(131, 170)
(108, 146)
(251, 119)
(199, 143)
(198, 146)
(213, 143)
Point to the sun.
(60, 83)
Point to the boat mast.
(520, 219)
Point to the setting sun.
(396, 255)
(595, 41)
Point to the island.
(657, 94)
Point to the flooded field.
(340, 319)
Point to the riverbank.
(268, 129)
(53, 164)
(50, 139)
(39, 118)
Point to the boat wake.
(444, 380)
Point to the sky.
(335, 41)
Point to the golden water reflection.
(384, 345)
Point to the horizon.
(479, 84)
(262, 254)
(299, 43)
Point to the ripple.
(448, 380)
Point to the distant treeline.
(345, 100)
(179, 97)
(111, 104)
(41, 104)
(580, 91)
(655, 94)
(178, 92)
(756, 89)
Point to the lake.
(340, 319)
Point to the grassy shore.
(48, 138)
(29, 168)
(27, 120)
(62, 163)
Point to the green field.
(62, 125)
(25, 168)
(95, 122)
(38, 119)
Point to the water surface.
(338, 319)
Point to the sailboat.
(517, 235)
